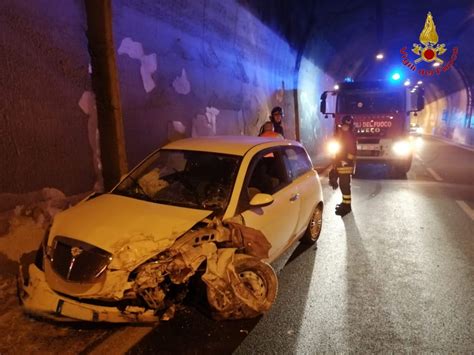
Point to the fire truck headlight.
(402, 148)
(333, 147)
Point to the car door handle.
(295, 197)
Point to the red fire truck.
(381, 114)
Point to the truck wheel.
(315, 225)
(400, 169)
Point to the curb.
(451, 142)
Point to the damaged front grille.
(77, 261)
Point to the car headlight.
(402, 148)
(333, 147)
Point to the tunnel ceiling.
(357, 30)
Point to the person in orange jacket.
(276, 118)
(344, 164)
(268, 131)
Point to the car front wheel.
(314, 226)
(252, 291)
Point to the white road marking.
(434, 174)
(121, 341)
(465, 207)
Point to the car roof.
(235, 145)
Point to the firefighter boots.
(343, 209)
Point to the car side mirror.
(261, 200)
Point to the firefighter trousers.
(345, 186)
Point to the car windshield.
(369, 102)
(183, 178)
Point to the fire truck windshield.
(367, 102)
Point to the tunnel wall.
(445, 117)
(197, 68)
(44, 131)
(315, 130)
(445, 112)
(186, 68)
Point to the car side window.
(267, 174)
(297, 161)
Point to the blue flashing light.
(348, 79)
(396, 76)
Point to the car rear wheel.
(314, 226)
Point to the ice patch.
(181, 84)
(88, 106)
(205, 125)
(176, 130)
(148, 63)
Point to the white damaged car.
(214, 209)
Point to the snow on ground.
(21, 231)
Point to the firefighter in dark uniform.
(344, 164)
(276, 117)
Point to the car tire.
(251, 290)
(260, 283)
(315, 225)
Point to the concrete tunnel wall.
(45, 134)
(192, 68)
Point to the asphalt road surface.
(395, 275)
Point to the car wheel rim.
(316, 223)
(254, 283)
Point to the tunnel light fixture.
(336, 87)
(436, 64)
(419, 82)
(407, 82)
(379, 56)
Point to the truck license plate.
(368, 147)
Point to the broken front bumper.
(39, 299)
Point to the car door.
(278, 220)
(305, 181)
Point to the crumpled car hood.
(130, 229)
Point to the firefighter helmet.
(277, 109)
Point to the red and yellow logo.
(429, 51)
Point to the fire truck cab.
(381, 114)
